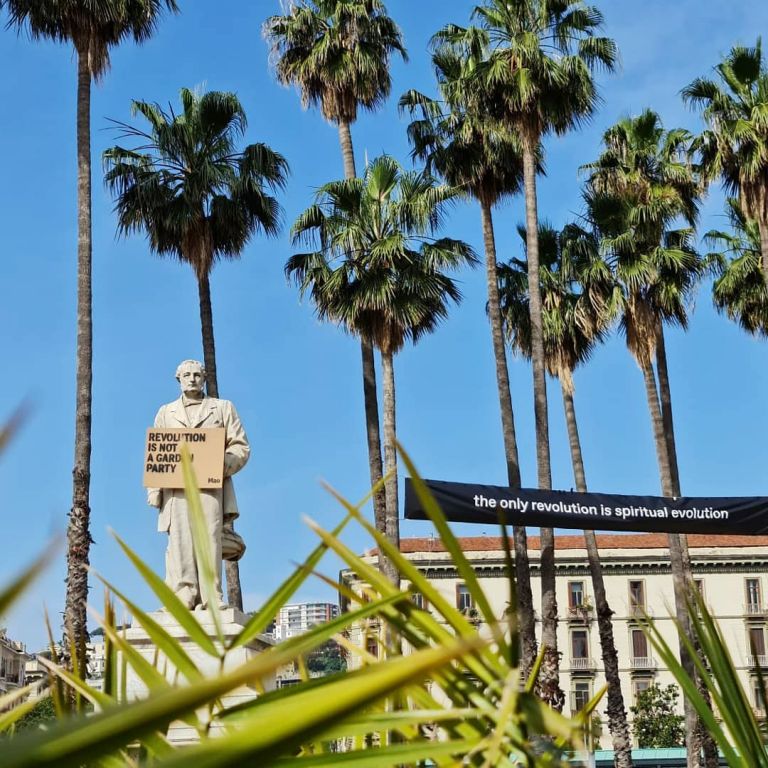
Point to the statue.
(195, 410)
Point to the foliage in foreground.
(473, 711)
(730, 720)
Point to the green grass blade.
(162, 639)
(170, 602)
(73, 681)
(451, 543)
(19, 585)
(396, 754)
(201, 542)
(148, 674)
(261, 619)
(295, 720)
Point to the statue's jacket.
(213, 413)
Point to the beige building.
(13, 659)
(731, 572)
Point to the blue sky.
(295, 382)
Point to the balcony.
(583, 665)
(754, 609)
(581, 613)
(758, 661)
(643, 663)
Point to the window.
(757, 643)
(575, 594)
(579, 697)
(754, 597)
(579, 644)
(636, 597)
(464, 601)
(638, 686)
(420, 601)
(639, 644)
(758, 694)
(372, 646)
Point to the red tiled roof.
(604, 541)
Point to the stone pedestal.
(232, 623)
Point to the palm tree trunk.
(763, 229)
(78, 533)
(231, 567)
(665, 397)
(680, 578)
(390, 455)
(347, 151)
(524, 595)
(550, 670)
(615, 710)
(705, 740)
(370, 395)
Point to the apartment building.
(296, 618)
(731, 572)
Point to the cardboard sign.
(162, 457)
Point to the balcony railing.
(583, 664)
(757, 661)
(582, 612)
(754, 609)
(643, 662)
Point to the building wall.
(721, 567)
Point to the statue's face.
(192, 380)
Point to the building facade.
(13, 659)
(731, 572)
(297, 618)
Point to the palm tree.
(337, 53)
(734, 147)
(198, 198)
(538, 80)
(639, 187)
(456, 140)
(379, 272)
(92, 29)
(739, 289)
(576, 287)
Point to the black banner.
(469, 503)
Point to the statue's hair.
(189, 362)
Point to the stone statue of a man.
(194, 410)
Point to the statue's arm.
(155, 495)
(236, 450)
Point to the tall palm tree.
(92, 29)
(378, 271)
(539, 80)
(734, 147)
(199, 199)
(739, 290)
(640, 186)
(337, 53)
(455, 138)
(576, 287)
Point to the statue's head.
(191, 377)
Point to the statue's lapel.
(179, 413)
(208, 409)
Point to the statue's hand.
(154, 497)
(231, 464)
